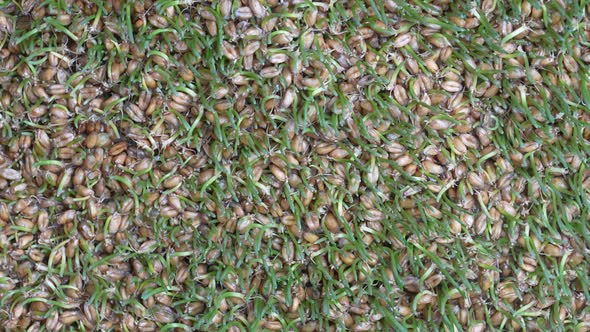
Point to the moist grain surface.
(249, 165)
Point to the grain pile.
(294, 165)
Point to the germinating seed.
(294, 165)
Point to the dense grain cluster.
(294, 165)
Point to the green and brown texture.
(254, 165)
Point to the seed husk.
(10, 174)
